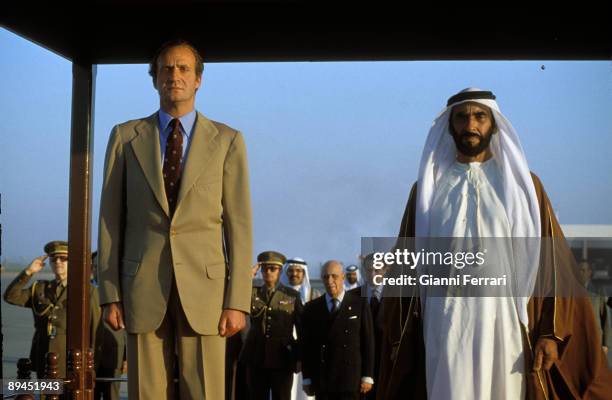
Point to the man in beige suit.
(175, 237)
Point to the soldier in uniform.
(47, 299)
(271, 352)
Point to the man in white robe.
(475, 187)
(295, 275)
(472, 339)
(473, 345)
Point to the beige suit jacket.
(206, 245)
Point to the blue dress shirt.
(186, 127)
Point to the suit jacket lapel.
(147, 151)
(203, 145)
(323, 312)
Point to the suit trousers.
(153, 357)
(262, 381)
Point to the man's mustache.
(468, 134)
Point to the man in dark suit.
(338, 360)
(373, 294)
(271, 350)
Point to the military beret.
(351, 268)
(56, 247)
(271, 257)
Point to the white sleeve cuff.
(367, 379)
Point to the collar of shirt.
(330, 304)
(264, 288)
(186, 127)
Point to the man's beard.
(468, 149)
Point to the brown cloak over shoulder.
(581, 371)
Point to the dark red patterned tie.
(172, 164)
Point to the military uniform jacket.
(47, 299)
(270, 342)
(338, 350)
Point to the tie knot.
(335, 304)
(175, 137)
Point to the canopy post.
(80, 380)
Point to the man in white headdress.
(295, 275)
(353, 277)
(474, 182)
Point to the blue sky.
(333, 147)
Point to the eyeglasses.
(59, 258)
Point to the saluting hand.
(546, 353)
(36, 265)
(231, 322)
(254, 269)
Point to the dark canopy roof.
(104, 32)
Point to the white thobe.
(473, 345)
(297, 393)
